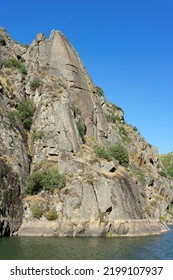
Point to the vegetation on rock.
(15, 63)
(81, 128)
(46, 180)
(99, 91)
(37, 212)
(12, 118)
(111, 118)
(26, 111)
(120, 153)
(116, 151)
(37, 135)
(35, 83)
(51, 215)
(101, 152)
(167, 161)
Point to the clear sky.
(126, 46)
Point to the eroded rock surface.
(71, 118)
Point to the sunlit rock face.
(71, 119)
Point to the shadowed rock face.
(11, 209)
(101, 197)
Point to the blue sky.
(126, 46)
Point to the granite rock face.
(71, 119)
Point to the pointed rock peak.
(56, 33)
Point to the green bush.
(51, 215)
(99, 91)
(120, 153)
(36, 135)
(116, 151)
(167, 161)
(111, 118)
(124, 134)
(170, 171)
(26, 111)
(81, 128)
(140, 175)
(102, 153)
(12, 118)
(37, 212)
(46, 179)
(115, 107)
(15, 63)
(35, 83)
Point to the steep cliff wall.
(73, 130)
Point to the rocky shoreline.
(128, 228)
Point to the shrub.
(15, 63)
(35, 83)
(124, 134)
(26, 111)
(116, 151)
(34, 183)
(115, 107)
(12, 118)
(120, 153)
(102, 153)
(167, 161)
(37, 212)
(46, 179)
(37, 135)
(99, 91)
(51, 215)
(81, 128)
(111, 118)
(170, 171)
(140, 175)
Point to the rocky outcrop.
(71, 119)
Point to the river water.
(158, 247)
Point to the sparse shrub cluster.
(12, 118)
(115, 107)
(51, 215)
(101, 152)
(81, 128)
(111, 118)
(167, 161)
(140, 175)
(99, 91)
(35, 83)
(15, 63)
(124, 134)
(46, 180)
(120, 153)
(116, 151)
(37, 212)
(36, 135)
(26, 111)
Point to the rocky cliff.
(69, 163)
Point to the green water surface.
(99, 248)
